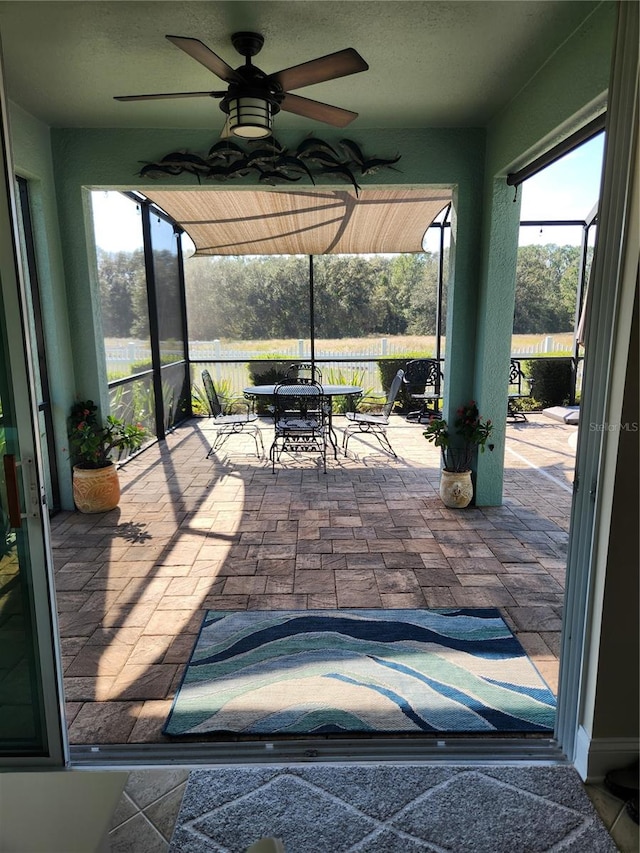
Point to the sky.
(117, 222)
(568, 189)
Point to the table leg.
(333, 438)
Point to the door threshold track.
(497, 751)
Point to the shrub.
(550, 380)
(269, 372)
(388, 367)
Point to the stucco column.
(464, 271)
(83, 296)
(496, 299)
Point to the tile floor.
(145, 818)
(613, 813)
(147, 813)
(192, 534)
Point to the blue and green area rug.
(307, 672)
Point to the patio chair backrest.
(298, 399)
(393, 393)
(304, 372)
(423, 373)
(516, 378)
(212, 398)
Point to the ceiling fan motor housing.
(253, 101)
(247, 44)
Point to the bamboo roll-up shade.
(263, 222)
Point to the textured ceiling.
(227, 222)
(432, 63)
(436, 63)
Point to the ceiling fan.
(253, 97)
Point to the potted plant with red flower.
(457, 449)
(96, 487)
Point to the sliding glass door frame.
(28, 505)
(44, 404)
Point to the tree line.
(263, 297)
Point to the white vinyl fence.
(547, 345)
(233, 369)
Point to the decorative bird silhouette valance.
(271, 163)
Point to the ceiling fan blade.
(201, 53)
(329, 67)
(335, 116)
(158, 97)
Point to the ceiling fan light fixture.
(250, 118)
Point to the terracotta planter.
(96, 489)
(456, 488)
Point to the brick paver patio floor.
(193, 534)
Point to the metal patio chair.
(305, 372)
(301, 421)
(227, 425)
(423, 379)
(374, 424)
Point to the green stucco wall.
(31, 148)
(568, 91)
(568, 88)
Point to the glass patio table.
(328, 390)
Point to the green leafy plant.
(199, 403)
(91, 442)
(231, 403)
(336, 376)
(134, 402)
(470, 433)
